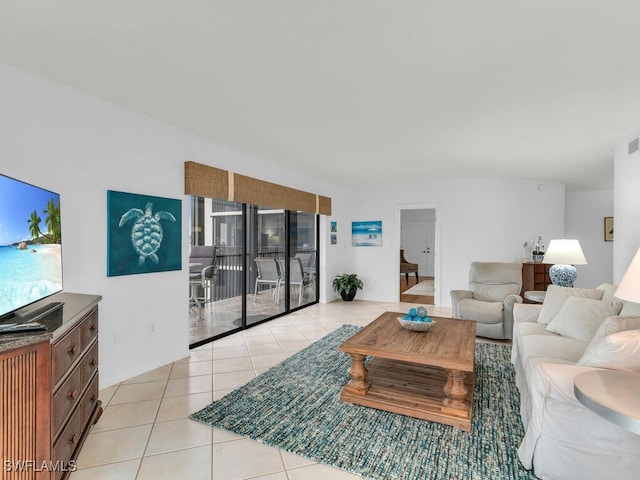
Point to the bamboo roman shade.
(211, 182)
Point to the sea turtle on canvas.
(146, 234)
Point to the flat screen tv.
(30, 245)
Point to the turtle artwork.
(146, 233)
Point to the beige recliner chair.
(494, 288)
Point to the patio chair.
(203, 273)
(297, 276)
(268, 274)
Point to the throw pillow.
(618, 351)
(555, 297)
(579, 318)
(615, 324)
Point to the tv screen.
(30, 244)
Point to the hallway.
(411, 298)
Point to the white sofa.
(563, 439)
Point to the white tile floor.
(144, 432)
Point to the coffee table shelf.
(426, 375)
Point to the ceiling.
(359, 92)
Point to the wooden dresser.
(49, 389)
(535, 276)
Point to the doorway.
(418, 240)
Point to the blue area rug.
(295, 406)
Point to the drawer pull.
(93, 328)
(93, 362)
(72, 394)
(94, 397)
(73, 438)
(73, 350)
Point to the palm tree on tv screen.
(34, 225)
(52, 221)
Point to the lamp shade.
(629, 288)
(565, 252)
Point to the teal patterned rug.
(295, 406)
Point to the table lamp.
(564, 254)
(629, 288)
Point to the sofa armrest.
(456, 296)
(508, 305)
(526, 312)
(553, 380)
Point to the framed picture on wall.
(366, 234)
(143, 234)
(608, 229)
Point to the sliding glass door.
(264, 262)
(265, 250)
(303, 259)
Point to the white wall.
(80, 147)
(585, 212)
(626, 206)
(477, 219)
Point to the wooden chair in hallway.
(407, 268)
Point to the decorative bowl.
(416, 326)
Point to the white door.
(418, 240)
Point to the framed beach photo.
(608, 229)
(366, 234)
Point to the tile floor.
(144, 432)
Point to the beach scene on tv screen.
(30, 244)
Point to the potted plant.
(538, 251)
(347, 285)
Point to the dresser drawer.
(66, 397)
(89, 400)
(68, 440)
(66, 351)
(89, 328)
(89, 363)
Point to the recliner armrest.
(456, 296)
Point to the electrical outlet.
(152, 328)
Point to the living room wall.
(483, 219)
(585, 212)
(626, 202)
(80, 147)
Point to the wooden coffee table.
(427, 375)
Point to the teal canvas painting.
(144, 234)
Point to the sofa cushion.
(579, 318)
(615, 324)
(482, 312)
(620, 351)
(533, 328)
(550, 346)
(556, 296)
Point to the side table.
(612, 394)
(536, 296)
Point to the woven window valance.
(211, 182)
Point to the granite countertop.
(59, 313)
(16, 340)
